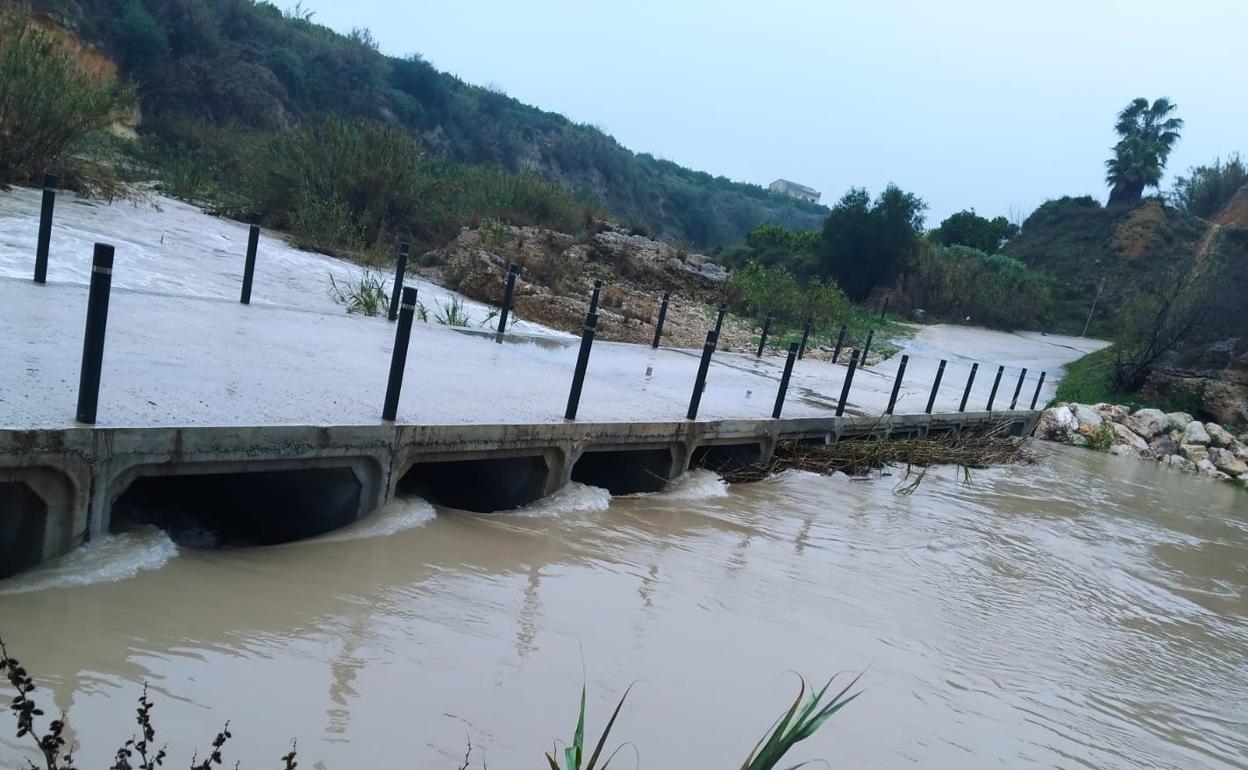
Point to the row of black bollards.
(45, 228)
(794, 351)
(699, 382)
(398, 355)
(93, 337)
(762, 341)
(931, 399)
(801, 349)
(508, 294)
(400, 268)
(658, 325)
(582, 357)
(901, 372)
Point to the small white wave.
(697, 484)
(573, 498)
(395, 516)
(109, 559)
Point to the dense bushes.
(760, 290)
(868, 243)
(47, 102)
(1206, 189)
(990, 289)
(248, 65)
(966, 228)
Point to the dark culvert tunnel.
(23, 519)
(624, 472)
(480, 485)
(263, 507)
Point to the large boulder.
(1180, 463)
(1055, 423)
(1112, 412)
(1195, 433)
(1240, 450)
(1124, 436)
(1162, 446)
(1227, 462)
(1219, 436)
(1179, 420)
(1089, 420)
(1148, 422)
(1194, 452)
(1209, 470)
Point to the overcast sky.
(994, 105)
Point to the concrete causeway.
(275, 407)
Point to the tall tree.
(867, 244)
(1147, 134)
(966, 228)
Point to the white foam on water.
(697, 484)
(107, 560)
(573, 498)
(395, 516)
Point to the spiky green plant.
(452, 314)
(797, 724)
(366, 296)
(573, 754)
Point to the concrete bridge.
(264, 420)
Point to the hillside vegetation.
(207, 69)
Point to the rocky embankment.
(1173, 438)
(559, 270)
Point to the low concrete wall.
(79, 473)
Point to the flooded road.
(1086, 611)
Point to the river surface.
(1085, 611)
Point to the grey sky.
(994, 105)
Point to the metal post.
(400, 267)
(1018, 389)
(658, 326)
(93, 338)
(45, 228)
(719, 322)
(582, 360)
(507, 295)
(593, 298)
(849, 378)
(801, 349)
(762, 342)
(712, 338)
(970, 380)
(1036, 396)
(398, 357)
(784, 381)
(901, 372)
(931, 400)
(866, 348)
(840, 341)
(884, 309)
(249, 265)
(992, 396)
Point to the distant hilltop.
(796, 190)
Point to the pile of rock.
(1172, 438)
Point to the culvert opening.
(483, 486)
(726, 457)
(241, 509)
(624, 472)
(23, 517)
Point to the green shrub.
(993, 290)
(365, 296)
(47, 102)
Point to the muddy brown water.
(1086, 611)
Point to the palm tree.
(1148, 133)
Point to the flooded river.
(1086, 611)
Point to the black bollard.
(884, 309)
(784, 381)
(93, 338)
(582, 361)
(398, 357)
(658, 326)
(249, 263)
(849, 378)
(992, 396)
(400, 267)
(507, 295)
(801, 349)
(593, 298)
(1018, 389)
(1036, 396)
(940, 374)
(970, 380)
(45, 228)
(840, 341)
(699, 383)
(866, 348)
(762, 342)
(901, 372)
(719, 322)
